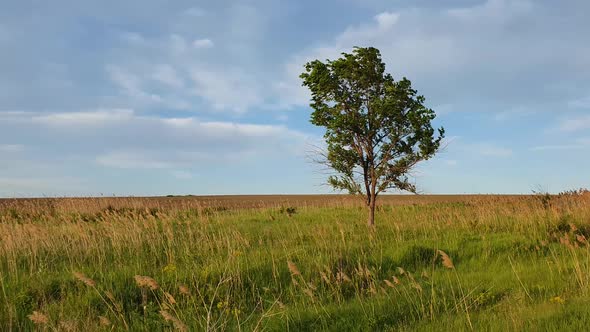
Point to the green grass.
(518, 265)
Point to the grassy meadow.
(295, 263)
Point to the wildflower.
(557, 300)
(170, 268)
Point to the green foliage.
(377, 129)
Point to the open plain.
(295, 263)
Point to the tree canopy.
(377, 128)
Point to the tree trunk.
(371, 221)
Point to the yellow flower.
(557, 300)
(170, 268)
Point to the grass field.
(296, 263)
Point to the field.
(297, 263)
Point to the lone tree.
(377, 129)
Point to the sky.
(155, 97)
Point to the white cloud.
(90, 118)
(514, 113)
(250, 130)
(477, 54)
(581, 143)
(123, 139)
(443, 109)
(486, 149)
(178, 44)
(492, 10)
(492, 150)
(133, 37)
(11, 147)
(195, 12)
(132, 160)
(131, 84)
(203, 43)
(557, 147)
(580, 103)
(575, 124)
(167, 74)
(178, 75)
(226, 89)
(386, 20)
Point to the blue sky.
(176, 97)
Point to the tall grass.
(480, 263)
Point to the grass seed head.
(68, 325)
(83, 278)
(293, 268)
(389, 283)
(184, 290)
(175, 321)
(146, 282)
(169, 298)
(103, 321)
(38, 318)
(446, 260)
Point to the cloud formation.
(104, 92)
(492, 56)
